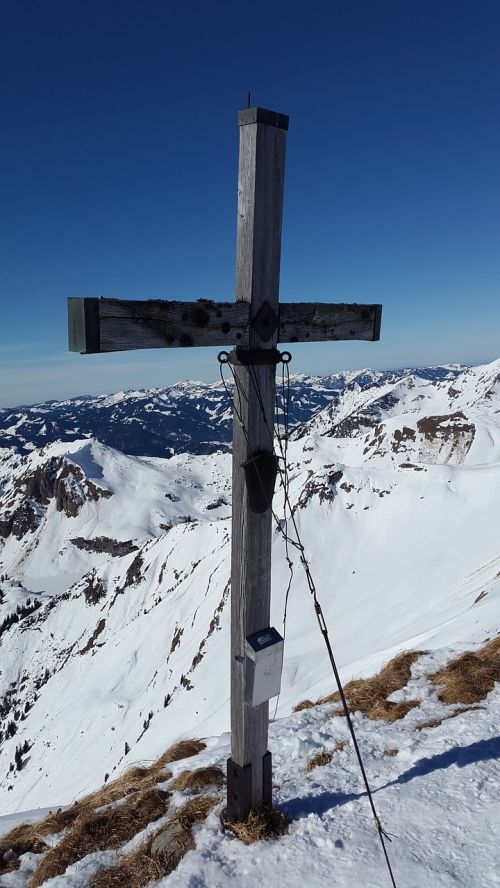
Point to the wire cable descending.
(282, 527)
(282, 439)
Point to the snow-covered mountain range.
(190, 417)
(114, 598)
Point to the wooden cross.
(254, 323)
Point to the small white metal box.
(263, 665)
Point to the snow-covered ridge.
(190, 416)
(396, 493)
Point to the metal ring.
(223, 357)
(286, 357)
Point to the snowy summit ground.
(117, 569)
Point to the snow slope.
(435, 789)
(396, 495)
(451, 768)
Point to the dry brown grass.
(384, 709)
(139, 867)
(181, 750)
(391, 712)
(19, 840)
(369, 695)
(434, 722)
(101, 830)
(195, 810)
(390, 753)
(134, 871)
(137, 779)
(261, 824)
(324, 758)
(318, 760)
(304, 704)
(198, 779)
(29, 836)
(470, 677)
(366, 694)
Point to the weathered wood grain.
(317, 322)
(124, 325)
(260, 203)
(106, 325)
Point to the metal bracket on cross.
(265, 322)
(252, 357)
(260, 476)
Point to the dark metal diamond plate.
(265, 322)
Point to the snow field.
(437, 798)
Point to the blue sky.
(119, 151)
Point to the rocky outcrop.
(321, 486)
(64, 482)
(116, 548)
(354, 424)
(446, 438)
(56, 480)
(23, 520)
(93, 589)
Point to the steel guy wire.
(283, 445)
(310, 581)
(324, 631)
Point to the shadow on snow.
(480, 751)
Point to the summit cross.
(255, 323)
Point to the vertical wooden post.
(260, 208)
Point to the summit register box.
(264, 662)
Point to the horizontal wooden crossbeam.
(108, 325)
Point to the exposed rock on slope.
(55, 480)
(125, 652)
